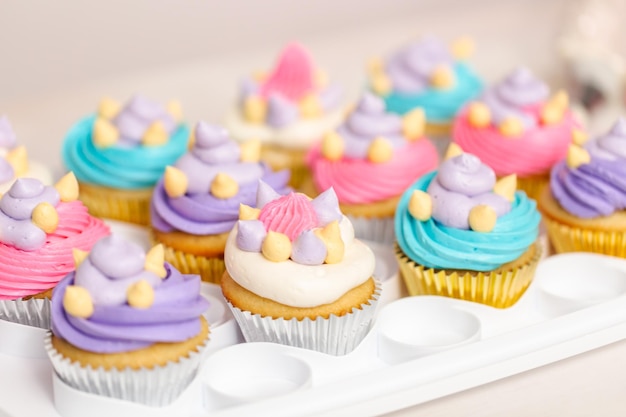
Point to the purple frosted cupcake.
(130, 329)
(197, 202)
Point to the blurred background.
(59, 58)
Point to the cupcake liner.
(533, 186)
(33, 312)
(377, 229)
(209, 269)
(565, 238)
(156, 387)
(334, 335)
(499, 289)
(441, 130)
(123, 205)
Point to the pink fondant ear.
(293, 76)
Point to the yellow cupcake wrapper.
(565, 238)
(126, 207)
(209, 269)
(533, 186)
(499, 289)
(438, 130)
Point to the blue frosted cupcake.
(426, 75)
(119, 154)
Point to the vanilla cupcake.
(461, 234)
(119, 154)
(127, 325)
(295, 275)
(288, 109)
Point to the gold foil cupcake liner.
(499, 289)
(131, 206)
(33, 312)
(566, 238)
(376, 229)
(209, 269)
(336, 335)
(156, 387)
(533, 186)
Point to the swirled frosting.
(444, 241)
(297, 252)
(291, 106)
(596, 188)
(33, 260)
(536, 145)
(115, 325)
(355, 178)
(410, 72)
(198, 210)
(127, 161)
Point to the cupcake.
(369, 161)
(196, 203)
(14, 162)
(516, 127)
(426, 75)
(461, 234)
(583, 207)
(120, 153)
(296, 275)
(288, 109)
(130, 329)
(40, 226)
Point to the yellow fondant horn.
(175, 109)
(310, 107)
(140, 294)
(579, 137)
(442, 77)
(331, 236)
(413, 124)
(482, 218)
(421, 205)
(175, 182)
(79, 256)
(224, 186)
(248, 213)
(380, 150)
(67, 187)
(381, 83)
(551, 113)
(251, 151)
(155, 259)
(479, 115)
(463, 48)
(77, 302)
(104, 134)
(254, 110)
(452, 151)
(332, 146)
(108, 108)
(511, 126)
(577, 156)
(45, 217)
(155, 135)
(506, 187)
(18, 159)
(276, 247)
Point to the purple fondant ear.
(265, 194)
(308, 249)
(280, 111)
(208, 136)
(326, 206)
(250, 235)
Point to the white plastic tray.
(576, 303)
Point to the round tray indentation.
(249, 372)
(570, 283)
(418, 326)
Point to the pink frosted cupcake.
(41, 227)
(369, 161)
(518, 128)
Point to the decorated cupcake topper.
(140, 121)
(215, 164)
(609, 145)
(292, 227)
(131, 279)
(464, 194)
(370, 132)
(28, 211)
(293, 89)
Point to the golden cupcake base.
(533, 186)
(131, 206)
(279, 158)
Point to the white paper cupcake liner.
(32, 312)
(377, 229)
(334, 335)
(156, 387)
